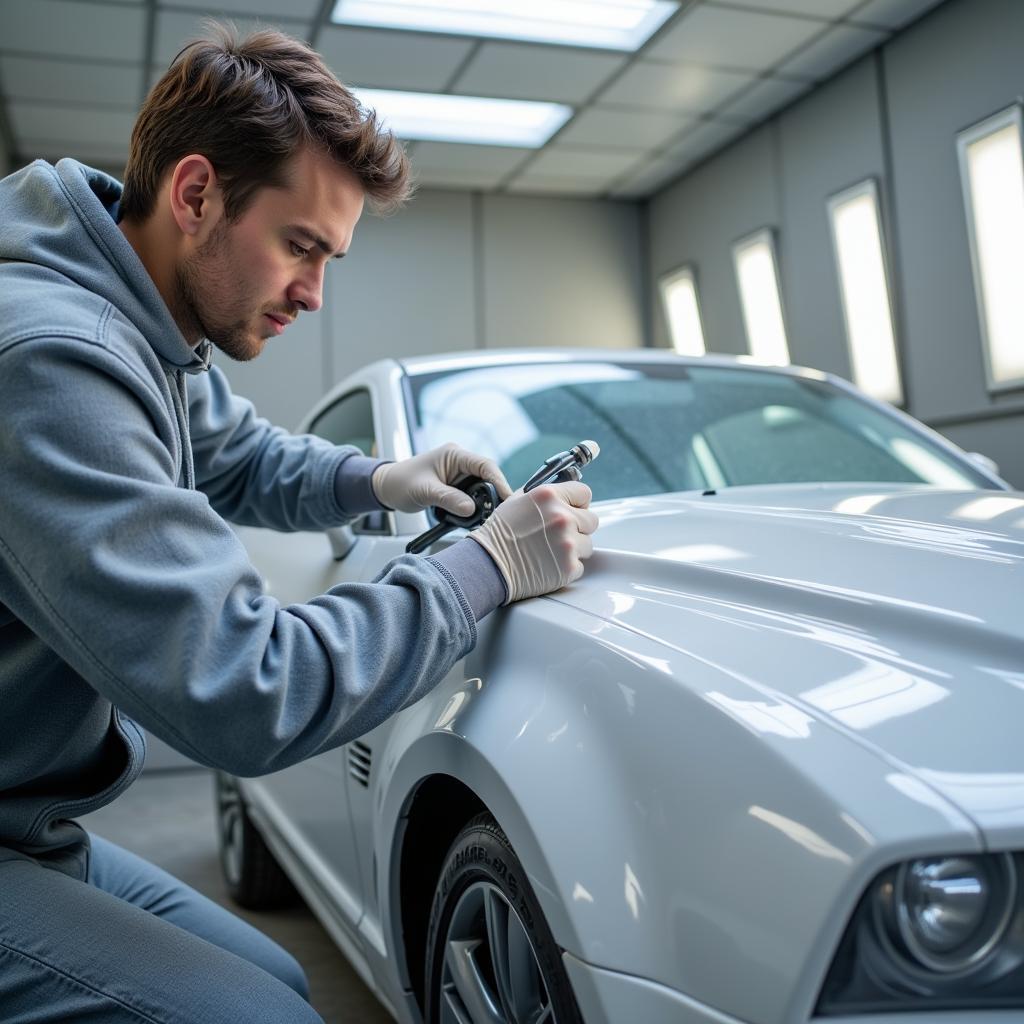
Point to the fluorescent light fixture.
(473, 119)
(863, 285)
(679, 299)
(754, 257)
(992, 174)
(607, 24)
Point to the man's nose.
(307, 292)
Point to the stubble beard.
(203, 282)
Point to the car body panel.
(703, 752)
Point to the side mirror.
(342, 541)
(984, 462)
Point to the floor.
(167, 817)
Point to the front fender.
(667, 831)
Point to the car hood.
(892, 614)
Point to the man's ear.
(196, 200)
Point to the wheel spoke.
(469, 983)
(497, 914)
(518, 966)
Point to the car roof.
(446, 362)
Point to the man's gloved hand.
(538, 540)
(424, 480)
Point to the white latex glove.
(538, 540)
(422, 481)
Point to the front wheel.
(491, 958)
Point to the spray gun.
(558, 469)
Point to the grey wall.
(460, 270)
(894, 116)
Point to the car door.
(309, 801)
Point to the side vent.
(359, 759)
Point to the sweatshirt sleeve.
(144, 591)
(256, 474)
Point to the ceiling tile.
(436, 178)
(655, 175)
(765, 98)
(569, 162)
(705, 139)
(523, 72)
(33, 78)
(392, 60)
(893, 13)
(684, 87)
(824, 9)
(269, 9)
(452, 156)
(733, 39)
(580, 187)
(72, 125)
(63, 28)
(175, 28)
(837, 48)
(618, 129)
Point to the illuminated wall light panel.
(682, 311)
(760, 297)
(606, 24)
(992, 175)
(864, 289)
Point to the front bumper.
(608, 997)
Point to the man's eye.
(297, 249)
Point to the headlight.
(948, 914)
(936, 933)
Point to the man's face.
(249, 279)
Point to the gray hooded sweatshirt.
(124, 595)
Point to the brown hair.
(249, 105)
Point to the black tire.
(254, 879)
(486, 923)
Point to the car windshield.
(675, 427)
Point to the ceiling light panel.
(758, 279)
(606, 24)
(864, 289)
(992, 174)
(473, 119)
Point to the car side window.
(350, 421)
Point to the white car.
(763, 763)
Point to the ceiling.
(74, 72)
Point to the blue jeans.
(133, 944)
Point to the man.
(124, 596)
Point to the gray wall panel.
(698, 221)
(406, 288)
(827, 143)
(998, 439)
(560, 272)
(951, 70)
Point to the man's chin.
(240, 348)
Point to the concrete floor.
(167, 817)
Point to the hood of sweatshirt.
(64, 218)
